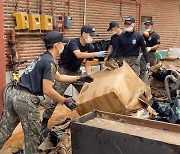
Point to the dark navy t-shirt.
(68, 59)
(114, 39)
(152, 40)
(129, 44)
(43, 67)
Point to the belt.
(66, 69)
(18, 87)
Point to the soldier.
(152, 44)
(37, 79)
(114, 27)
(128, 46)
(77, 50)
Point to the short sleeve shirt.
(152, 40)
(43, 67)
(113, 40)
(68, 59)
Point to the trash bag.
(55, 136)
(168, 112)
(175, 112)
(161, 74)
(161, 107)
(101, 45)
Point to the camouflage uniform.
(61, 87)
(152, 40)
(132, 61)
(22, 103)
(152, 60)
(21, 107)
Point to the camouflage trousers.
(132, 62)
(60, 88)
(152, 60)
(21, 107)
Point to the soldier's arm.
(110, 49)
(81, 55)
(65, 78)
(155, 47)
(156, 42)
(143, 48)
(50, 92)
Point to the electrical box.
(67, 22)
(58, 21)
(46, 22)
(34, 21)
(21, 20)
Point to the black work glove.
(85, 78)
(70, 103)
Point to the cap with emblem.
(129, 20)
(89, 29)
(148, 22)
(112, 24)
(54, 37)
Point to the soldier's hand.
(85, 78)
(69, 102)
(101, 54)
(148, 49)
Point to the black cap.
(54, 37)
(89, 29)
(148, 22)
(129, 20)
(112, 24)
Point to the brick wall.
(165, 13)
(166, 17)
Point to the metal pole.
(139, 27)
(85, 3)
(69, 7)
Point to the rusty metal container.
(106, 133)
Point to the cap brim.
(147, 24)
(65, 40)
(128, 22)
(109, 29)
(94, 34)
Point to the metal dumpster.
(106, 133)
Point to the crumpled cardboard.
(114, 91)
(5, 151)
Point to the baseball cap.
(54, 37)
(112, 24)
(148, 22)
(89, 29)
(129, 20)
